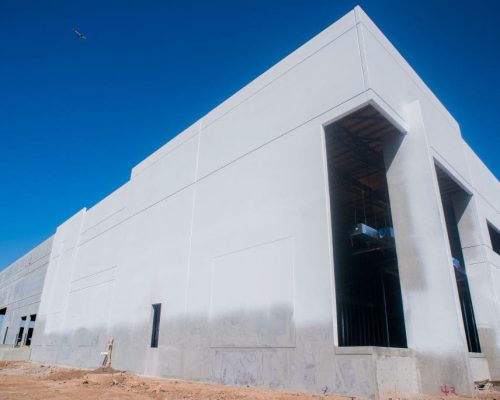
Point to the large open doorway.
(454, 199)
(368, 292)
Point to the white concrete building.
(325, 228)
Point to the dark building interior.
(369, 303)
(453, 197)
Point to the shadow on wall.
(301, 358)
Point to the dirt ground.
(32, 381)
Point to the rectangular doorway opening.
(453, 199)
(368, 291)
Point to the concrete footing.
(9, 353)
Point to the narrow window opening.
(494, 238)
(31, 328)
(20, 334)
(3, 311)
(156, 325)
(369, 301)
(5, 334)
(452, 196)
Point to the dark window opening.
(3, 311)
(5, 334)
(494, 238)
(31, 329)
(29, 335)
(20, 333)
(368, 291)
(20, 336)
(452, 196)
(156, 325)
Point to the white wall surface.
(21, 285)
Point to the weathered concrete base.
(388, 372)
(479, 367)
(9, 353)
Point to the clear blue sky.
(76, 116)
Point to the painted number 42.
(448, 390)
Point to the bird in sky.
(79, 34)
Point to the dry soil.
(32, 381)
